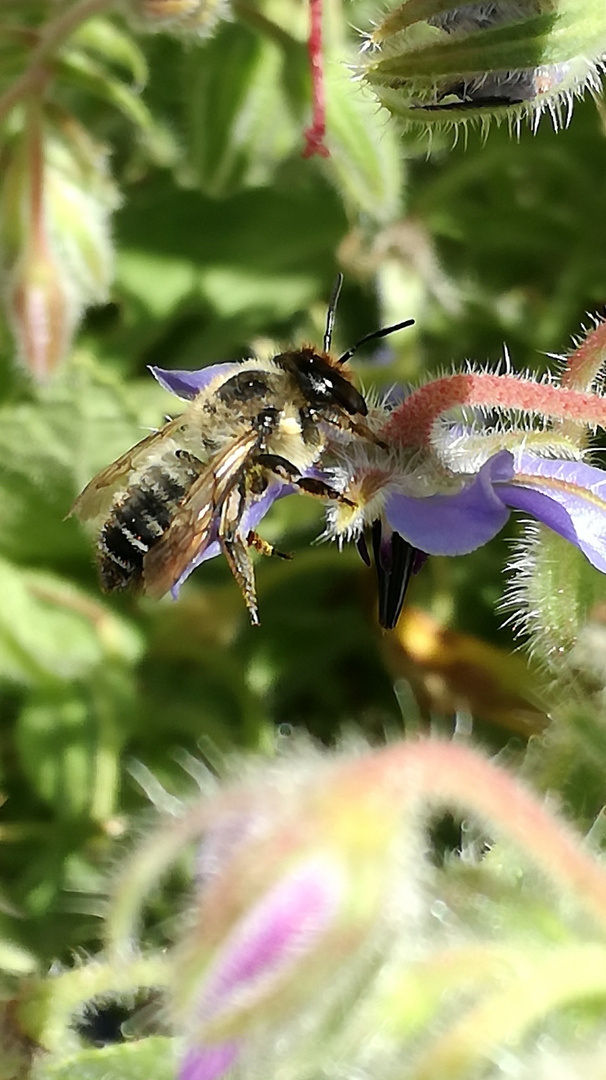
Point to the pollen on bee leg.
(264, 547)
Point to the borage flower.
(447, 488)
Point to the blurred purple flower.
(261, 953)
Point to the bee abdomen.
(138, 521)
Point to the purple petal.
(278, 929)
(209, 1062)
(568, 496)
(188, 384)
(210, 551)
(281, 927)
(250, 520)
(454, 524)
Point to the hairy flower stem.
(315, 134)
(52, 37)
(433, 773)
(38, 237)
(142, 871)
(413, 422)
(46, 1014)
(507, 1012)
(587, 361)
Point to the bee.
(197, 480)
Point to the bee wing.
(98, 492)
(190, 529)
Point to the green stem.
(502, 1017)
(52, 37)
(255, 19)
(45, 1015)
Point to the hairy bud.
(439, 62)
(181, 16)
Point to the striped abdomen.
(140, 518)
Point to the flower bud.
(41, 310)
(440, 62)
(290, 907)
(55, 252)
(181, 16)
(80, 197)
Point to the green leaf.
(239, 126)
(69, 743)
(50, 447)
(50, 631)
(14, 958)
(204, 260)
(109, 43)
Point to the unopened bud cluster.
(439, 62)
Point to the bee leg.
(360, 428)
(263, 546)
(237, 554)
(308, 484)
(311, 486)
(279, 465)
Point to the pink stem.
(314, 135)
(38, 237)
(430, 773)
(587, 360)
(412, 423)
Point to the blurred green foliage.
(227, 240)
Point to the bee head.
(317, 373)
(321, 384)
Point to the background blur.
(227, 242)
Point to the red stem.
(586, 362)
(412, 423)
(315, 135)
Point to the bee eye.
(322, 385)
(243, 387)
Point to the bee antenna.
(332, 310)
(373, 336)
